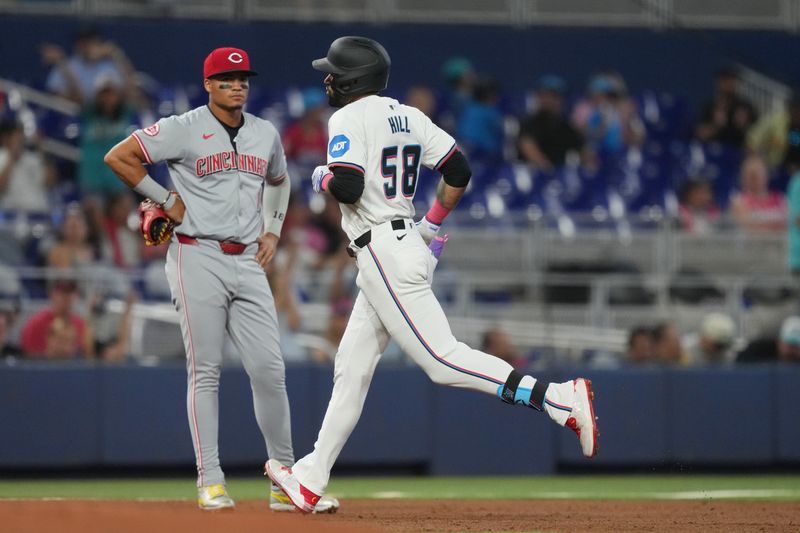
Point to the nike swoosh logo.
(207, 136)
(401, 237)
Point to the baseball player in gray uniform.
(229, 170)
(376, 146)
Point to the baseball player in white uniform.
(229, 170)
(376, 147)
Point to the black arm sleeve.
(346, 185)
(455, 171)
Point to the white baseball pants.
(395, 300)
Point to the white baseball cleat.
(570, 404)
(303, 499)
(582, 420)
(279, 501)
(214, 498)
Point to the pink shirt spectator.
(33, 338)
(764, 212)
(756, 207)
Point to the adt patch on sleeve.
(338, 146)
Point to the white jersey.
(387, 141)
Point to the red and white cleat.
(303, 499)
(582, 420)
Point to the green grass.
(785, 488)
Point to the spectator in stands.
(311, 242)
(789, 340)
(546, 137)
(755, 207)
(728, 116)
(498, 343)
(111, 338)
(76, 77)
(280, 272)
(306, 140)
(73, 249)
(26, 177)
(785, 348)
(776, 137)
(341, 304)
(459, 77)
(607, 119)
(104, 122)
(120, 244)
(40, 337)
(791, 158)
(480, 126)
(697, 212)
(334, 331)
(640, 346)
(7, 317)
(61, 340)
(295, 225)
(325, 235)
(10, 296)
(713, 343)
(667, 347)
(793, 224)
(421, 97)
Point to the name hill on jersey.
(399, 124)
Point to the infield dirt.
(362, 516)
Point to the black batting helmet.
(359, 66)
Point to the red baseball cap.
(224, 60)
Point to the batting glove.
(437, 246)
(427, 229)
(318, 177)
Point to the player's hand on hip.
(177, 210)
(427, 229)
(318, 177)
(267, 244)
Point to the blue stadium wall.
(74, 416)
(681, 62)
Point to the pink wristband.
(325, 179)
(437, 213)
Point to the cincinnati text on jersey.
(230, 160)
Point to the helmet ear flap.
(359, 66)
(346, 86)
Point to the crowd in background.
(713, 344)
(93, 221)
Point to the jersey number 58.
(409, 167)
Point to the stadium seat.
(716, 162)
(665, 115)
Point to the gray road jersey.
(221, 186)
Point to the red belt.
(227, 247)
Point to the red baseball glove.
(155, 225)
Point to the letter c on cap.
(235, 57)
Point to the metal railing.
(23, 101)
(569, 293)
(767, 94)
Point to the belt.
(227, 247)
(366, 237)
